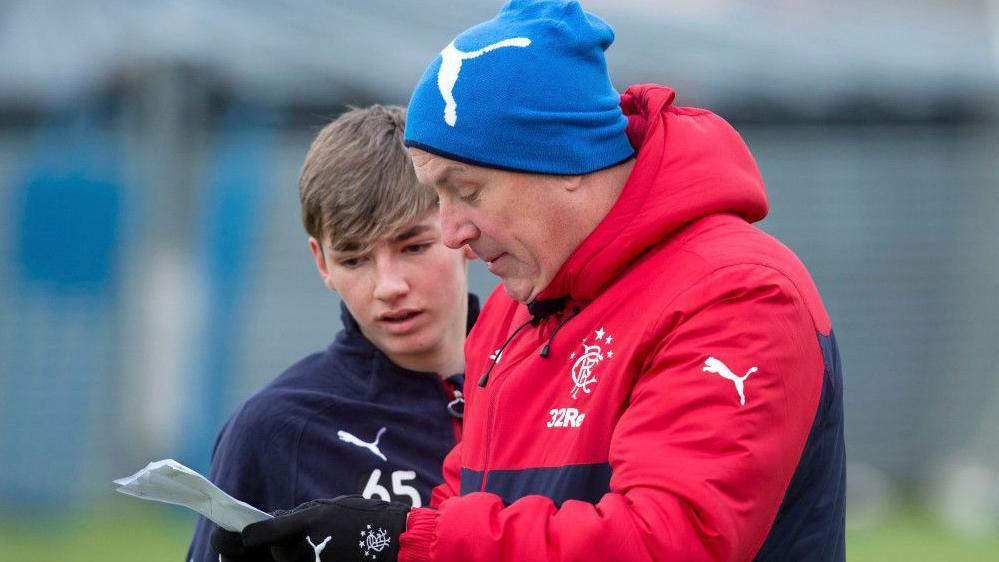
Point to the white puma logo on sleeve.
(712, 365)
(447, 76)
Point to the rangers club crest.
(372, 542)
(585, 363)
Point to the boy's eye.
(417, 248)
(351, 262)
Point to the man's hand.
(345, 529)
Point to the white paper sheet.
(169, 481)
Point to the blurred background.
(154, 272)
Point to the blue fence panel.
(59, 331)
(231, 211)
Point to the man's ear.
(317, 254)
(571, 183)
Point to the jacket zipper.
(497, 387)
(451, 396)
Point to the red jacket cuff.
(414, 544)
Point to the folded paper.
(169, 481)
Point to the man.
(377, 410)
(657, 378)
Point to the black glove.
(345, 529)
(229, 546)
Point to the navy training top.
(345, 420)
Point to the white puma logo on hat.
(712, 365)
(447, 76)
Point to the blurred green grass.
(128, 530)
(120, 530)
(912, 535)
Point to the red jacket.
(669, 420)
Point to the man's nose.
(456, 229)
(390, 280)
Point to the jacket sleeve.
(698, 475)
(243, 464)
(200, 548)
(222, 475)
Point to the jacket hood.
(690, 163)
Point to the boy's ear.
(317, 254)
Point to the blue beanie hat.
(527, 91)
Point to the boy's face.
(408, 292)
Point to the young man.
(376, 411)
(657, 379)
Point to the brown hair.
(357, 183)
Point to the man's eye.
(469, 195)
(350, 263)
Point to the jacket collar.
(381, 373)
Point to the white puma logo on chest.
(373, 446)
(447, 76)
(712, 365)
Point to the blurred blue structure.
(230, 209)
(60, 351)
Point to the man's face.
(408, 292)
(509, 219)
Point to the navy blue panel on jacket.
(343, 421)
(583, 482)
(811, 520)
